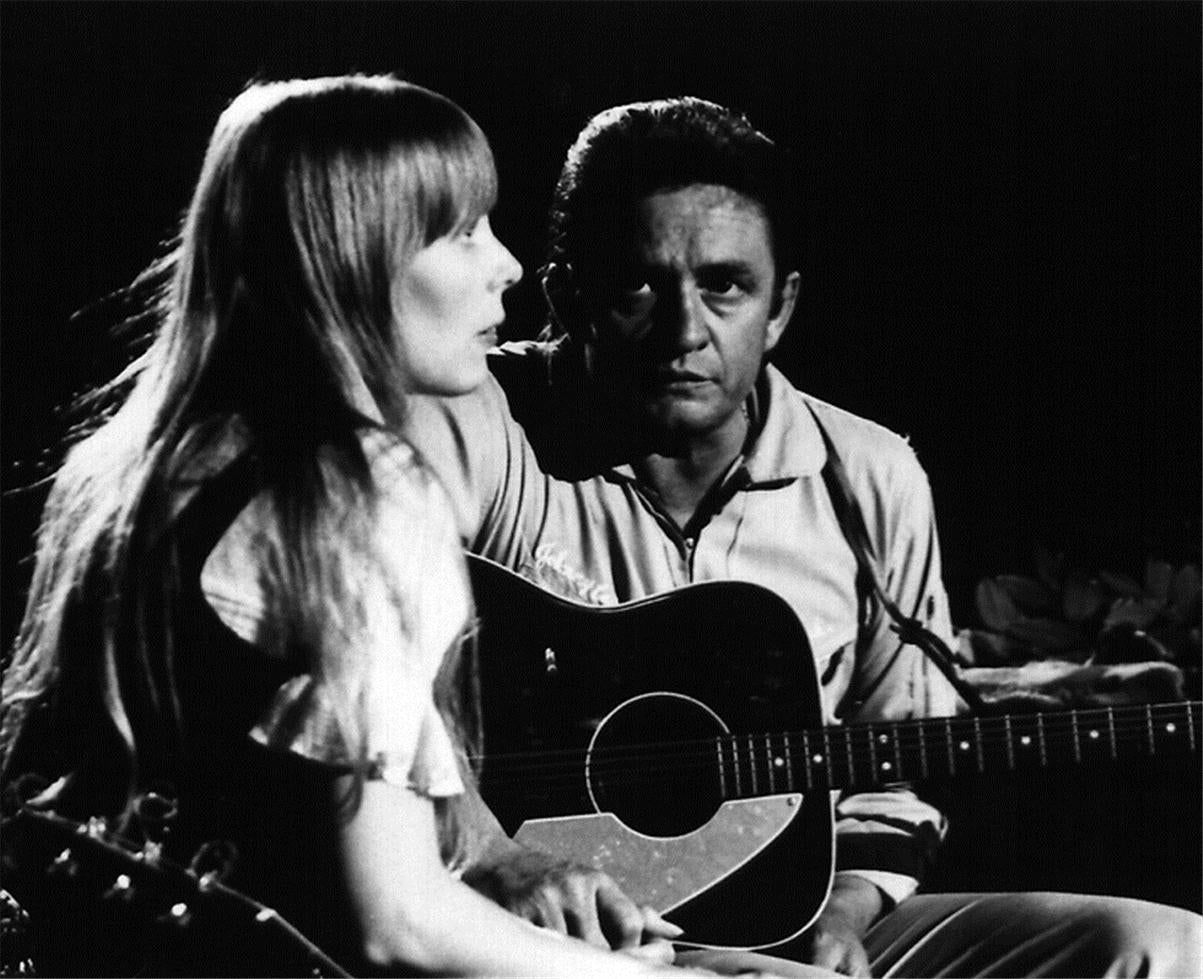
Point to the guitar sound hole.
(653, 764)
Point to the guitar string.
(1134, 716)
(836, 775)
(650, 759)
(987, 732)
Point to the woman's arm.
(413, 914)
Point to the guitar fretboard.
(875, 754)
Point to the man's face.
(687, 311)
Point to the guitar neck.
(864, 755)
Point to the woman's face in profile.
(448, 304)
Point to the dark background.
(1002, 254)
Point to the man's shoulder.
(523, 370)
(545, 391)
(866, 447)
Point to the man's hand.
(835, 940)
(574, 900)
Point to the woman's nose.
(509, 269)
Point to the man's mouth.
(671, 378)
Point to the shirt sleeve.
(891, 836)
(414, 601)
(481, 454)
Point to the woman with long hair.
(248, 595)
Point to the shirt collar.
(788, 445)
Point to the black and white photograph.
(601, 488)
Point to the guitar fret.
(752, 763)
(848, 752)
(1149, 725)
(775, 763)
(789, 767)
(1073, 726)
(1040, 738)
(897, 750)
(952, 760)
(922, 752)
(827, 755)
(1111, 732)
(1010, 742)
(806, 760)
(872, 750)
(739, 788)
(722, 767)
(977, 738)
(1190, 725)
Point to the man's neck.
(684, 477)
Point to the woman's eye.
(471, 230)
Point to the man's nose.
(686, 320)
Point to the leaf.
(1049, 567)
(994, 649)
(1137, 612)
(1081, 598)
(1126, 644)
(1047, 635)
(1185, 590)
(1032, 597)
(1121, 584)
(994, 605)
(1158, 575)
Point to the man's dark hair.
(628, 152)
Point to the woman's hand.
(574, 900)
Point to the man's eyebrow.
(733, 266)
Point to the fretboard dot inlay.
(1025, 741)
(817, 759)
(778, 762)
(1094, 735)
(964, 746)
(1170, 728)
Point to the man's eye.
(723, 286)
(630, 290)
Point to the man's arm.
(886, 839)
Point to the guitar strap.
(910, 630)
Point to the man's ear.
(784, 310)
(556, 280)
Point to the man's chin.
(677, 421)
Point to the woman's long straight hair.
(275, 317)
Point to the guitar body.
(595, 718)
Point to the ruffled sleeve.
(415, 602)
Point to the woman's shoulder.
(402, 481)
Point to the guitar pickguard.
(665, 873)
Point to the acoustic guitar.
(678, 743)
